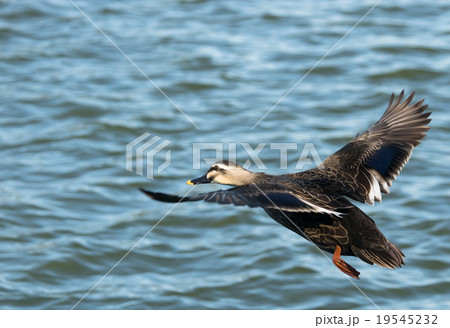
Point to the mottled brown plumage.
(314, 203)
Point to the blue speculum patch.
(382, 159)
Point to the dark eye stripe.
(213, 168)
(218, 169)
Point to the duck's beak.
(202, 179)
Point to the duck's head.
(227, 173)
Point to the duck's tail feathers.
(390, 256)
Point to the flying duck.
(315, 203)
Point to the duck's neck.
(249, 178)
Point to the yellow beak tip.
(189, 182)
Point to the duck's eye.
(213, 169)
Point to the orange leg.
(344, 267)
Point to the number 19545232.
(411, 319)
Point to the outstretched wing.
(372, 160)
(254, 195)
